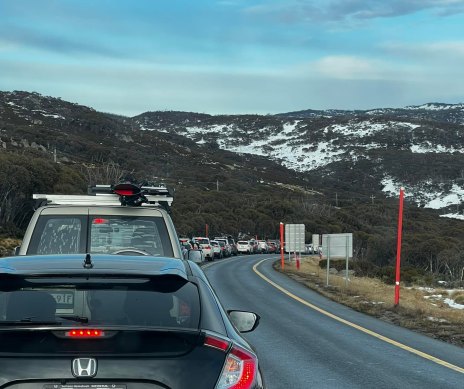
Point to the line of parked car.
(223, 247)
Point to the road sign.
(295, 238)
(337, 245)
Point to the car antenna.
(88, 261)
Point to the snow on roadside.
(433, 297)
(453, 304)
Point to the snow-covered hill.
(396, 147)
(359, 153)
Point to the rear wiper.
(28, 321)
(79, 319)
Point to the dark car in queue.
(122, 322)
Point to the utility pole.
(372, 199)
(217, 185)
(54, 155)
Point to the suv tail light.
(239, 370)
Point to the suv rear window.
(59, 235)
(65, 234)
(202, 241)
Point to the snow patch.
(453, 304)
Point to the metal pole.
(398, 248)
(328, 258)
(281, 245)
(346, 251)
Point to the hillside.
(334, 171)
(371, 153)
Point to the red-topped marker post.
(398, 248)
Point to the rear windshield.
(242, 242)
(70, 234)
(100, 302)
(202, 241)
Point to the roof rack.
(120, 194)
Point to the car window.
(113, 233)
(118, 305)
(58, 235)
(65, 234)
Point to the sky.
(234, 56)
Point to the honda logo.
(84, 367)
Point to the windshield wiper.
(28, 321)
(79, 319)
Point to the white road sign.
(295, 238)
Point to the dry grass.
(7, 245)
(429, 316)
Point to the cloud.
(352, 10)
(19, 38)
(431, 52)
(352, 68)
(131, 88)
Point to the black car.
(121, 322)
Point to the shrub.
(365, 268)
(409, 275)
(7, 245)
(458, 298)
(339, 264)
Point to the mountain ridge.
(396, 146)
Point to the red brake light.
(85, 333)
(100, 221)
(239, 370)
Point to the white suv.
(243, 247)
(205, 246)
(120, 219)
(263, 248)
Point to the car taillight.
(208, 247)
(219, 343)
(239, 370)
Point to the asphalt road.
(301, 347)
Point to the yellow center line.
(353, 325)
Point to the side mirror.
(15, 251)
(195, 256)
(244, 321)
